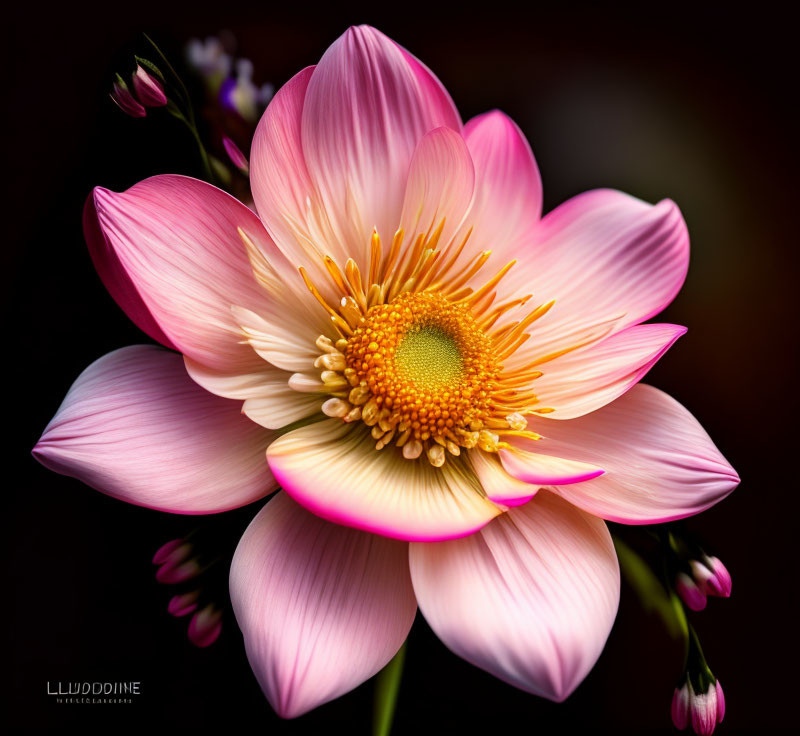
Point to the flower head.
(420, 356)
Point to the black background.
(693, 103)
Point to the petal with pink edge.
(322, 607)
(368, 104)
(499, 486)
(440, 185)
(176, 240)
(601, 255)
(531, 598)
(539, 469)
(136, 427)
(660, 464)
(583, 380)
(508, 188)
(333, 469)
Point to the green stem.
(187, 115)
(387, 686)
(653, 595)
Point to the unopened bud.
(184, 604)
(205, 626)
(690, 592)
(148, 89)
(125, 100)
(711, 576)
(237, 158)
(704, 710)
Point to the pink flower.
(457, 442)
(704, 710)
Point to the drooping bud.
(166, 551)
(690, 593)
(711, 576)
(175, 563)
(205, 626)
(148, 89)
(172, 574)
(125, 100)
(704, 710)
(237, 158)
(184, 604)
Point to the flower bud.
(175, 563)
(184, 604)
(205, 626)
(711, 576)
(691, 594)
(237, 158)
(125, 100)
(703, 710)
(171, 574)
(167, 551)
(148, 89)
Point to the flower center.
(423, 367)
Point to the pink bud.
(183, 605)
(690, 593)
(720, 583)
(165, 551)
(704, 710)
(126, 101)
(178, 573)
(205, 626)
(237, 158)
(148, 89)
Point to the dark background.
(659, 100)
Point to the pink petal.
(584, 380)
(508, 188)
(173, 241)
(135, 426)
(333, 469)
(284, 194)
(660, 464)
(322, 608)
(602, 255)
(532, 467)
(440, 185)
(497, 483)
(368, 104)
(720, 703)
(680, 708)
(531, 598)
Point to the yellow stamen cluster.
(418, 354)
(426, 362)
